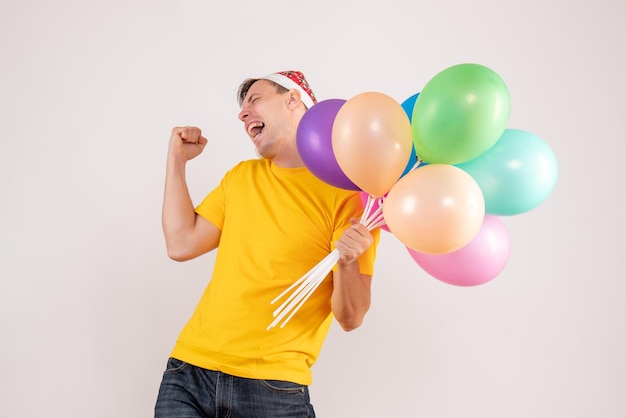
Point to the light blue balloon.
(516, 174)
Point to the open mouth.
(255, 129)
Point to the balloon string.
(367, 209)
(417, 164)
(334, 257)
(308, 283)
(372, 218)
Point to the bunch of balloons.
(443, 166)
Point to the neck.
(289, 157)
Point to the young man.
(271, 221)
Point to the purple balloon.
(314, 142)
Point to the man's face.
(264, 113)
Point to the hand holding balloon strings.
(372, 218)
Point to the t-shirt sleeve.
(213, 206)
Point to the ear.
(293, 98)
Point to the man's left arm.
(351, 290)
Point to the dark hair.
(247, 83)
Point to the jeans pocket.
(174, 366)
(283, 386)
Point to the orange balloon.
(435, 209)
(372, 142)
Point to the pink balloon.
(478, 262)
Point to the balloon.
(459, 114)
(371, 139)
(313, 139)
(435, 209)
(516, 174)
(364, 198)
(411, 164)
(407, 105)
(478, 262)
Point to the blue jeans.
(188, 391)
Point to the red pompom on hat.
(294, 80)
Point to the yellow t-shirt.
(277, 223)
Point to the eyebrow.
(252, 96)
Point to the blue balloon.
(411, 164)
(516, 174)
(408, 105)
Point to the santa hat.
(294, 80)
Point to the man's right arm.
(187, 235)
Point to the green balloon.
(460, 113)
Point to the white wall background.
(91, 306)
